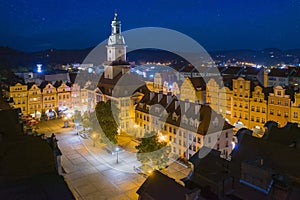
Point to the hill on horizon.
(13, 58)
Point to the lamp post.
(66, 124)
(117, 150)
(94, 138)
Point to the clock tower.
(116, 52)
(116, 47)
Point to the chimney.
(160, 95)
(151, 95)
(186, 105)
(169, 97)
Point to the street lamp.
(117, 150)
(94, 138)
(66, 123)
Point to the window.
(226, 134)
(209, 139)
(257, 109)
(252, 118)
(257, 119)
(272, 101)
(271, 112)
(263, 110)
(279, 93)
(278, 113)
(295, 114)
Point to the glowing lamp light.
(162, 137)
(39, 68)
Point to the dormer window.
(216, 122)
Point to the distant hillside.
(11, 58)
(267, 57)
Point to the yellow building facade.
(63, 96)
(295, 109)
(258, 110)
(19, 94)
(223, 95)
(279, 106)
(35, 101)
(253, 107)
(240, 101)
(193, 91)
(49, 97)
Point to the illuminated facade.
(241, 100)
(63, 97)
(184, 125)
(35, 101)
(258, 109)
(251, 106)
(75, 96)
(279, 106)
(19, 94)
(193, 89)
(49, 97)
(215, 91)
(295, 109)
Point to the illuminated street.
(92, 172)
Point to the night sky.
(216, 24)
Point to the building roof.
(209, 120)
(40, 187)
(198, 83)
(277, 72)
(276, 157)
(288, 135)
(122, 85)
(251, 71)
(28, 165)
(160, 187)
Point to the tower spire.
(116, 15)
(116, 47)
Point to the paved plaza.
(92, 172)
